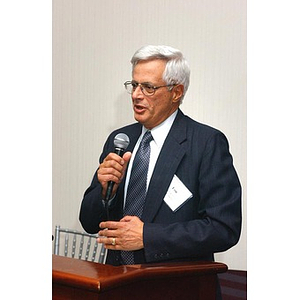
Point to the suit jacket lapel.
(170, 156)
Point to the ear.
(177, 92)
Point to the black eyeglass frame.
(142, 86)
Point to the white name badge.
(177, 194)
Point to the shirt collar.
(161, 131)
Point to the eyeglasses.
(146, 88)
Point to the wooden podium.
(77, 279)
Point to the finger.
(104, 179)
(109, 233)
(110, 243)
(114, 160)
(126, 219)
(113, 241)
(110, 225)
(111, 163)
(106, 241)
(102, 233)
(114, 170)
(126, 157)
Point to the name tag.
(177, 194)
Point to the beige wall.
(93, 42)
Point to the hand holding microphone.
(112, 169)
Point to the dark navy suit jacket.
(209, 222)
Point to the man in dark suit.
(193, 201)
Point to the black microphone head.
(121, 141)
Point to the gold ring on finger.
(113, 242)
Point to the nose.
(137, 93)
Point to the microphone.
(121, 142)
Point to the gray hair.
(177, 70)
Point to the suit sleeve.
(217, 224)
(92, 210)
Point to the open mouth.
(139, 108)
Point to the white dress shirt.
(159, 134)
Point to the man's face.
(154, 109)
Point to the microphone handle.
(110, 185)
